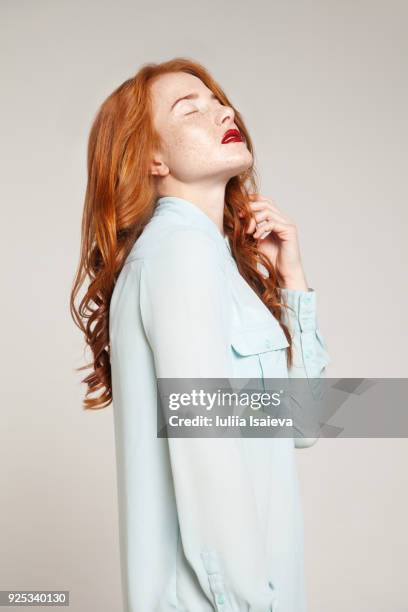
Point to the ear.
(158, 167)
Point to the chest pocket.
(259, 351)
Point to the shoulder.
(179, 241)
(185, 262)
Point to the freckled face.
(192, 130)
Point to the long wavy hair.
(119, 201)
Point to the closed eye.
(196, 111)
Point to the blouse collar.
(191, 214)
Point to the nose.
(226, 115)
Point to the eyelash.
(196, 111)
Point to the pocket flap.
(254, 340)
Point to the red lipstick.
(232, 136)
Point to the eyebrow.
(190, 96)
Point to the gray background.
(322, 86)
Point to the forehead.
(168, 87)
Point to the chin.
(238, 166)
(242, 159)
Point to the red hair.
(119, 201)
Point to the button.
(220, 599)
(268, 344)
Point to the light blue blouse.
(204, 523)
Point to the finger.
(268, 214)
(272, 225)
(252, 226)
(252, 222)
(260, 197)
(260, 204)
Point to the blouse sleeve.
(309, 346)
(184, 310)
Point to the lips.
(231, 136)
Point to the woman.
(193, 275)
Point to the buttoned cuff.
(302, 314)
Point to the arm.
(309, 346)
(184, 308)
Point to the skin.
(194, 165)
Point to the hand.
(277, 238)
